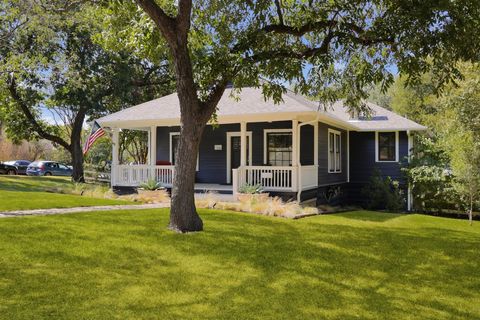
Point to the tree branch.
(165, 23)
(279, 11)
(31, 118)
(183, 17)
(208, 106)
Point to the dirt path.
(45, 212)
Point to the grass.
(24, 193)
(126, 265)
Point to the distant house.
(294, 149)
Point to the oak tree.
(328, 49)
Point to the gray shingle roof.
(250, 102)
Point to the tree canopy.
(327, 49)
(52, 64)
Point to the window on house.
(334, 151)
(279, 148)
(387, 146)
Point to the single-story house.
(294, 149)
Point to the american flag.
(96, 133)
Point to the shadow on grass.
(127, 265)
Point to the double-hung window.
(279, 148)
(386, 146)
(334, 151)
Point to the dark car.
(21, 165)
(48, 168)
(7, 169)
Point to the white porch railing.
(270, 178)
(273, 179)
(279, 179)
(134, 175)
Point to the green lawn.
(126, 265)
(23, 193)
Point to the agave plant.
(151, 185)
(251, 188)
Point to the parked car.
(7, 169)
(21, 165)
(48, 168)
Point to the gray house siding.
(363, 164)
(324, 177)
(213, 163)
(306, 145)
(163, 142)
(362, 155)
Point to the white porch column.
(315, 143)
(152, 148)
(114, 168)
(295, 156)
(348, 155)
(409, 190)
(243, 144)
(149, 154)
(295, 148)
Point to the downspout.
(299, 173)
(409, 187)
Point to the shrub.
(331, 194)
(383, 193)
(250, 188)
(151, 184)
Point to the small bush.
(151, 184)
(331, 194)
(250, 189)
(383, 193)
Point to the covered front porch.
(230, 155)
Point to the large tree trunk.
(76, 150)
(183, 213)
(77, 161)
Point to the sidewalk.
(50, 211)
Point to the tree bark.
(194, 115)
(470, 212)
(183, 213)
(76, 149)
(77, 161)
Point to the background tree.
(445, 169)
(51, 64)
(133, 146)
(326, 48)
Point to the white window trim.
(231, 134)
(265, 137)
(336, 132)
(170, 145)
(396, 147)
